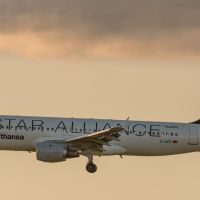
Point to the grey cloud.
(105, 16)
(142, 20)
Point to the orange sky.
(58, 73)
(101, 89)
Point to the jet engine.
(54, 152)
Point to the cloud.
(147, 29)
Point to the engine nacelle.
(51, 152)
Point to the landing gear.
(91, 167)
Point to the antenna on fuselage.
(127, 118)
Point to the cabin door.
(193, 136)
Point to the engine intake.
(51, 152)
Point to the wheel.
(91, 167)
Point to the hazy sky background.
(102, 59)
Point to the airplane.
(59, 139)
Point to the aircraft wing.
(94, 141)
(100, 135)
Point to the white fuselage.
(140, 138)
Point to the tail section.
(196, 122)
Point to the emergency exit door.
(193, 136)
